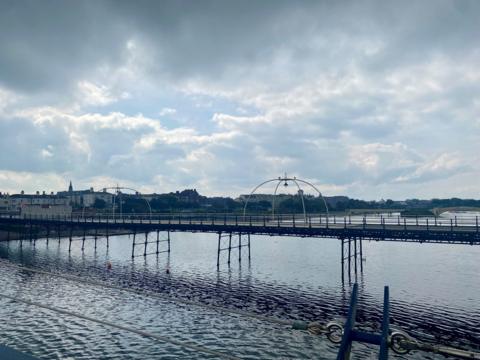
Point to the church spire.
(70, 187)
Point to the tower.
(70, 187)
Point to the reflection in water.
(434, 296)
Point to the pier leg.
(361, 256)
(133, 245)
(83, 239)
(248, 238)
(218, 251)
(239, 247)
(349, 255)
(229, 247)
(95, 246)
(355, 255)
(168, 241)
(58, 232)
(70, 240)
(158, 240)
(146, 243)
(343, 258)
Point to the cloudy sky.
(370, 99)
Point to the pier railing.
(469, 222)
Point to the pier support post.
(158, 240)
(168, 241)
(83, 239)
(355, 256)
(248, 247)
(240, 246)
(349, 255)
(218, 251)
(145, 244)
(361, 255)
(70, 240)
(133, 244)
(229, 247)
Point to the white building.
(17, 201)
(86, 198)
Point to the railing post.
(435, 217)
(264, 221)
(293, 220)
(427, 225)
(278, 220)
(345, 346)
(476, 222)
(236, 220)
(456, 221)
(451, 225)
(250, 220)
(405, 224)
(416, 220)
(344, 222)
(383, 354)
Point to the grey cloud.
(51, 44)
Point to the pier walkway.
(428, 230)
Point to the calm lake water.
(434, 292)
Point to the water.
(434, 292)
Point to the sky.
(368, 99)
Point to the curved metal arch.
(280, 179)
(319, 193)
(253, 191)
(274, 197)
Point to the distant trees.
(190, 200)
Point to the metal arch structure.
(285, 180)
(117, 192)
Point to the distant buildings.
(61, 204)
(86, 198)
(35, 204)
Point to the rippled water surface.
(434, 292)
